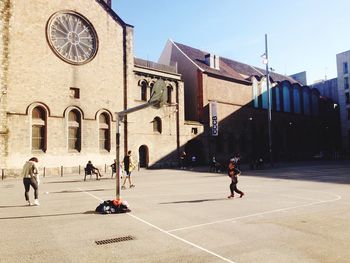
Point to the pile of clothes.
(115, 206)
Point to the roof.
(230, 68)
(155, 66)
(112, 13)
(198, 57)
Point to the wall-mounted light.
(3, 92)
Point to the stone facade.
(36, 81)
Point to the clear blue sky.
(303, 35)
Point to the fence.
(55, 171)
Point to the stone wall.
(36, 76)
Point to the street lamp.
(266, 62)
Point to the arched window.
(255, 93)
(39, 129)
(296, 96)
(151, 88)
(169, 94)
(157, 125)
(278, 98)
(306, 101)
(286, 97)
(144, 90)
(104, 132)
(74, 130)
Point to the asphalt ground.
(298, 213)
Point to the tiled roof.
(230, 68)
(198, 57)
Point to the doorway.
(143, 156)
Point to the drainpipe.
(177, 120)
(125, 102)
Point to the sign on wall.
(214, 123)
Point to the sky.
(303, 35)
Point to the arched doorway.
(143, 156)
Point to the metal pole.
(268, 101)
(120, 116)
(117, 168)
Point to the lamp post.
(266, 62)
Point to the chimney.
(212, 61)
(108, 2)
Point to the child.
(234, 173)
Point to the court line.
(255, 214)
(166, 232)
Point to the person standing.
(114, 168)
(234, 173)
(129, 166)
(30, 178)
(183, 160)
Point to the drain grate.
(114, 240)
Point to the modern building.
(328, 88)
(300, 77)
(235, 95)
(343, 63)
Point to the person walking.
(183, 158)
(234, 173)
(129, 166)
(30, 176)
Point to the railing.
(154, 65)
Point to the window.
(74, 93)
(151, 88)
(286, 97)
(296, 96)
(345, 68)
(347, 98)
(169, 94)
(74, 130)
(278, 98)
(39, 129)
(144, 90)
(157, 125)
(346, 82)
(255, 93)
(104, 132)
(264, 94)
(306, 101)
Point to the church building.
(67, 68)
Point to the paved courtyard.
(297, 213)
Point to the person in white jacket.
(30, 178)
